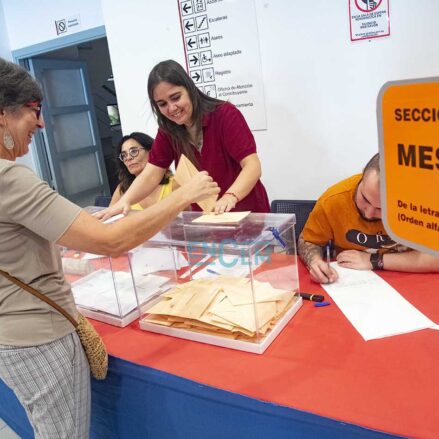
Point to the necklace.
(196, 138)
(199, 141)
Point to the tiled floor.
(6, 432)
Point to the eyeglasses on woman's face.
(132, 152)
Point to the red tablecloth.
(319, 363)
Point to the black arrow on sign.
(196, 76)
(194, 59)
(186, 8)
(188, 25)
(190, 42)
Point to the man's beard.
(370, 220)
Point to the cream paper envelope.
(243, 294)
(161, 308)
(222, 218)
(158, 320)
(177, 306)
(217, 321)
(243, 315)
(230, 280)
(184, 172)
(201, 301)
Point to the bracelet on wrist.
(233, 195)
(377, 261)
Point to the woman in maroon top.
(212, 133)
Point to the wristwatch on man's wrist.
(376, 259)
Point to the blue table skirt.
(139, 402)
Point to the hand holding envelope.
(184, 172)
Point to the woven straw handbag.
(92, 343)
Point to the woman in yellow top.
(133, 152)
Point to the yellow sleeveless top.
(166, 189)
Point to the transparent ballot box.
(238, 287)
(111, 289)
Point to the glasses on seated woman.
(132, 152)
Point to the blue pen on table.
(328, 252)
(320, 304)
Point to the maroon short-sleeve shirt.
(227, 140)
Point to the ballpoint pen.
(212, 271)
(276, 234)
(328, 252)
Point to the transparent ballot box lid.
(108, 289)
(237, 286)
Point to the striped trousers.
(52, 382)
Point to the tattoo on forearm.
(308, 251)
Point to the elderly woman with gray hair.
(41, 357)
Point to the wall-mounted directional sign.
(191, 42)
(222, 53)
(189, 25)
(206, 57)
(186, 8)
(204, 40)
(408, 122)
(196, 76)
(200, 5)
(193, 59)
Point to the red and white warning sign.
(369, 19)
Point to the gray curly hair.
(17, 86)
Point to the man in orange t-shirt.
(348, 214)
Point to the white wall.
(31, 22)
(5, 50)
(320, 89)
(140, 36)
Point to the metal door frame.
(20, 56)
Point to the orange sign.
(408, 123)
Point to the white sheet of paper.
(92, 256)
(96, 291)
(145, 260)
(373, 307)
(222, 218)
(113, 218)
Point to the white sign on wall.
(369, 19)
(222, 53)
(68, 25)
